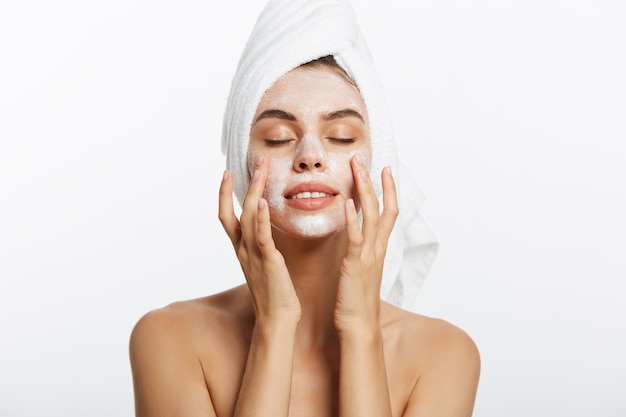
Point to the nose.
(310, 154)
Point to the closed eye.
(342, 140)
(277, 142)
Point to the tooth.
(311, 194)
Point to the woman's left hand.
(358, 293)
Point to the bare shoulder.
(198, 331)
(191, 318)
(444, 362)
(183, 342)
(183, 314)
(435, 337)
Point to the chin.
(312, 226)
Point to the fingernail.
(256, 176)
(363, 174)
(358, 159)
(351, 205)
(388, 171)
(259, 160)
(225, 176)
(261, 204)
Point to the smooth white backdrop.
(509, 113)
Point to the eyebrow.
(339, 114)
(277, 114)
(334, 115)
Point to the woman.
(308, 333)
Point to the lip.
(310, 203)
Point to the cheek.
(251, 161)
(341, 170)
(277, 177)
(366, 154)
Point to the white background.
(511, 115)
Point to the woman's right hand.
(273, 294)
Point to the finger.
(390, 205)
(355, 237)
(226, 212)
(264, 229)
(249, 210)
(367, 197)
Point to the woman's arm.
(266, 385)
(363, 389)
(447, 387)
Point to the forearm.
(363, 389)
(266, 384)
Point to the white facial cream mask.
(309, 136)
(304, 223)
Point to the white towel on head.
(289, 33)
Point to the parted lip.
(311, 187)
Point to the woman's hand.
(263, 265)
(358, 293)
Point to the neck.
(314, 269)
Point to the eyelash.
(342, 140)
(279, 142)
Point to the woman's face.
(309, 125)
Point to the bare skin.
(307, 335)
